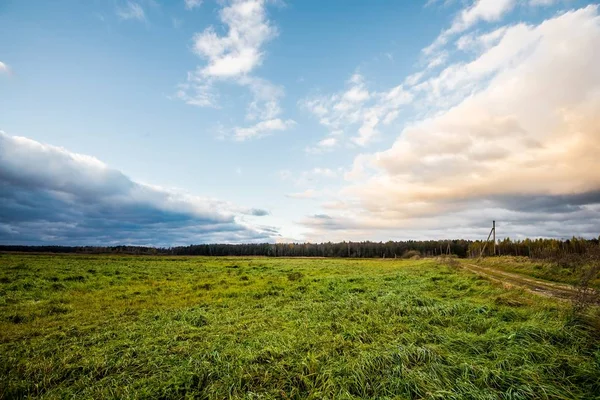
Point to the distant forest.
(536, 248)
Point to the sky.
(164, 123)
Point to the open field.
(77, 326)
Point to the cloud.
(322, 146)
(262, 129)
(438, 60)
(338, 110)
(469, 17)
(191, 4)
(4, 69)
(239, 51)
(131, 11)
(232, 58)
(197, 91)
(519, 143)
(257, 212)
(542, 2)
(445, 3)
(321, 172)
(482, 42)
(52, 196)
(470, 224)
(266, 97)
(480, 10)
(357, 110)
(327, 142)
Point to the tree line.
(365, 249)
(535, 248)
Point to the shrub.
(587, 295)
(412, 254)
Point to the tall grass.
(549, 269)
(256, 328)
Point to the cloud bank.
(49, 195)
(516, 138)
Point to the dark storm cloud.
(556, 204)
(51, 196)
(516, 216)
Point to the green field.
(104, 327)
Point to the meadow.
(119, 327)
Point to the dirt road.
(544, 288)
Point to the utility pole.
(494, 230)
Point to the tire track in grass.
(536, 286)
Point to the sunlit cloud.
(523, 123)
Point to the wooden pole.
(494, 229)
(486, 243)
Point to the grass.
(260, 328)
(539, 269)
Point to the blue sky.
(251, 120)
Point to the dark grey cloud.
(555, 204)
(49, 195)
(257, 212)
(516, 216)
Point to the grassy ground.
(535, 268)
(258, 328)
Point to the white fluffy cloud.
(479, 10)
(261, 129)
(240, 50)
(52, 196)
(527, 127)
(232, 58)
(323, 146)
(356, 110)
(486, 10)
(338, 110)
